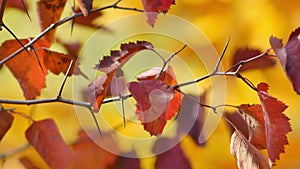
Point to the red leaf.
(109, 64)
(33, 79)
(289, 57)
(88, 155)
(27, 163)
(173, 158)
(192, 113)
(88, 20)
(6, 120)
(153, 98)
(49, 12)
(169, 78)
(276, 123)
(85, 6)
(153, 7)
(246, 53)
(248, 157)
(253, 115)
(46, 139)
(16, 4)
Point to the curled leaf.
(289, 57)
(248, 157)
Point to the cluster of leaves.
(157, 93)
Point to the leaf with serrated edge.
(276, 123)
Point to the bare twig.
(65, 79)
(168, 60)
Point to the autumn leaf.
(58, 63)
(153, 7)
(85, 6)
(169, 78)
(254, 116)
(153, 98)
(109, 65)
(88, 155)
(6, 120)
(248, 157)
(246, 53)
(289, 57)
(45, 138)
(49, 12)
(276, 123)
(34, 78)
(191, 118)
(173, 158)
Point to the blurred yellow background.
(248, 23)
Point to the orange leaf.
(6, 120)
(46, 139)
(169, 78)
(109, 64)
(153, 98)
(153, 7)
(25, 67)
(88, 155)
(248, 157)
(88, 20)
(17, 4)
(58, 62)
(49, 12)
(276, 123)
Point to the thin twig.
(169, 59)
(221, 56)
(65, 79)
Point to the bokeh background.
(249, 23)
